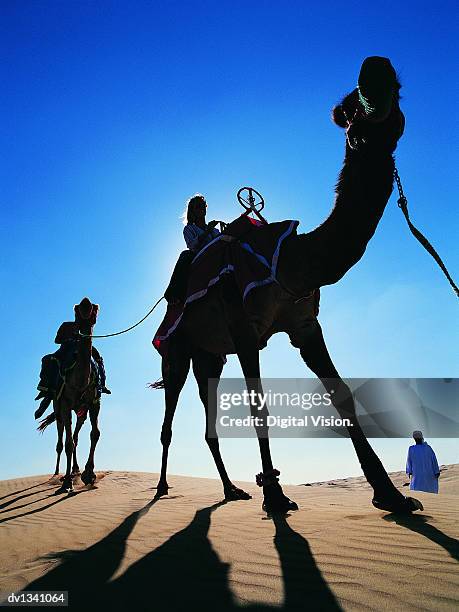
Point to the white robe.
(422, 464)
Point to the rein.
(123, 331)
(403, 205)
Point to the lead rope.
(403, 205)
(129, 328)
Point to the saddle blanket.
(247, 250)
(54, 368)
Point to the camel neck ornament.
(222, 322)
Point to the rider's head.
(195, 209)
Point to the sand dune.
(113, 546)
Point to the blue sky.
(116, 112)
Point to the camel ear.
(94, 313)
(344, 112)
(338, 116)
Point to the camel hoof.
(405, 506)
(66, 487)
(235, 494)
(275, 501)
(88, 477)
(282, 506)
(415, 504)
(162, 489)
(75, 471)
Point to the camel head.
(370, 113)
(86, 312)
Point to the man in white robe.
(422, 466)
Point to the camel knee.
(95, 434)
(166, 436)
(203, 396)
(261, 415)
(212, 440)
(262, 432)
(342, 399)
(69, 446)
(59, 447)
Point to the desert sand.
(113, 546)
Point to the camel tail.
(46, 421)
(159, 384)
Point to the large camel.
(222, 323)
(79, 394)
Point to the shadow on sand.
(184, 573)
(26, 489)
(419, 524)
(59, 500)
(19, 497)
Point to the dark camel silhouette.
(79, 390)
(221, 323)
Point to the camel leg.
(205, 366)
(386, 496)
(78, 426)
(246, 344)
(60, 444)
(175, 371)
(67, 484)
(88, 476)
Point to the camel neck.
(324, 255)
(84, 354)
(363, 190)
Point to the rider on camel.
(55, 364)
(197, 233)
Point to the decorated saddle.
(246, 249)
(54, 367)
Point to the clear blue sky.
(115, 112)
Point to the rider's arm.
(191, 235)
(196, 238)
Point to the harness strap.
(403, 205)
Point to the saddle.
(54, 368)
(247, 249)
(240, 227)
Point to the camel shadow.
(184, 573)
(84, 573)
(11, 501)
(304, 585)
(26, 489)
(418, 523)
(36, 510)
(30, 503)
